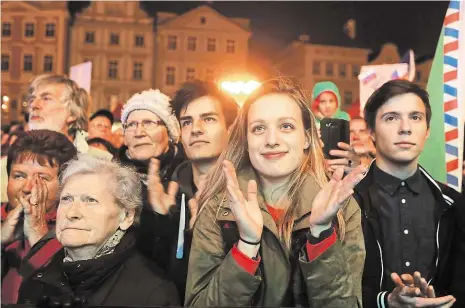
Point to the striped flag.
(443, 153)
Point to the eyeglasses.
(147, 125)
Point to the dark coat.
(122, 278)
(376, 283)
(163, 231)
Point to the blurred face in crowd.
(401, 129)
(5, 137)
(359, 132)
(100, 127)
(88, 214)
(118, 138)
(275, 136)
(204, 133)
(144, 143)
(46, 110)
(23, 176)
(328, 104)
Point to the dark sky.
(408, 24)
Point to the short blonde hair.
(75, 98)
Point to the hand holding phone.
(332, 132)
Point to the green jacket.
(332, 280)
(324, 86)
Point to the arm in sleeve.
(215, 278)
(156, 235)
(353, 245)
(333, 278)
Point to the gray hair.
(124, 182)
(75, 98)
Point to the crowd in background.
(196, 201)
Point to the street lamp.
(239, 89)
(5, 99)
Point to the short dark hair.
(195, 89)
(103, 113)
(44, 146)
(389, 90)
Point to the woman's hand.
(159, 199)
(331, 197)
(247, 212)
(35, 208)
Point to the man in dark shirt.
(408, 218)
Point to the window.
(6, 29)
(90, 37)
(190, 74)
(347, 97)
(172, 42)
(203, 20)
(329, 69)
(316, 67)
(137, 72)
(114, 39)
(50, 30)
(29, 30)
(342, 70)
(191, 43)
(170, 78)
(113, 69)
(27, 63)
(211, 44)
(139, 40)
(5, 63)
(355, 70)
(230, 46)
(48, 63)
(210, 75)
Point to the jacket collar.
(184, 176)
(391, 183)
(368, 181)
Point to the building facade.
(389, 54)
(200, 44)
(311, 63)
(117, 37)
(34, 38)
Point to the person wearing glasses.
(150, 130)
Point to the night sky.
(408, 24)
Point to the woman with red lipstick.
(273, 229)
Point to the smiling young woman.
(273, 229)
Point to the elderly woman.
(99, 265)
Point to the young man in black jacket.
(204, 114)
(409, 219)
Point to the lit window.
(50, 30)
(113, 69)
(170, 76)
(137, 72)
(211, 44)
(29, 30)
(48, 63)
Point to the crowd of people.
(195, 201)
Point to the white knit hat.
(158, 103)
